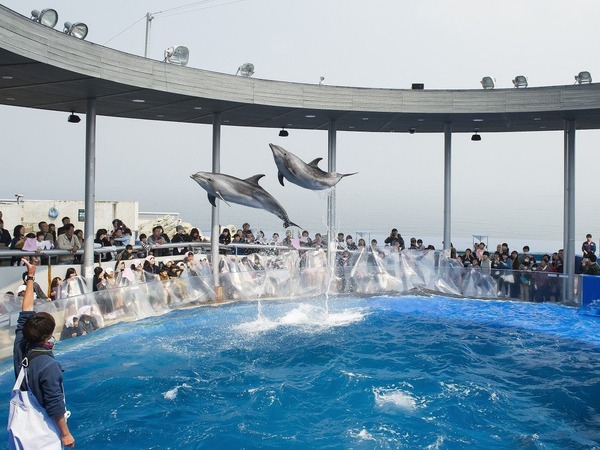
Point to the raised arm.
(27, 304)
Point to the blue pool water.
(349, 373)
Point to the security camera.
(412, 130)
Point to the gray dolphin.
(308, 176)
(243, 192)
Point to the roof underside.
(45, 69)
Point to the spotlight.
(520, 81)
(78, 30)
(177, 54)
(283, 133)
(246, 70)
(47, 17)
(583, 78)
(412, 130)
(476, 137)
(488, 82)
(73, 118)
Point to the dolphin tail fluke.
(288, 223)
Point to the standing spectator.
(34, 340)
(68, 241)
(195, 235)
(394, 237)
(61, 230)
(588, 247)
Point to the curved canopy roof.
(46, 69)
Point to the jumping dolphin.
(308, 176)
(243, 192)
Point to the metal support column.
(149, 18)
(569, 210)
(214, 221)
(331, 167)
(447, 187)
(90, 190)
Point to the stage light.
(283, 133)
(47, 17)
(488, 82)
(583, 78)
(520, 81)
(177, 54)
(476, 137)
(78, 30)
(246, 70)
(74, 118)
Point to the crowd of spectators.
(68, 238)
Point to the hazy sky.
(507, 186)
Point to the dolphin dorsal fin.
(254, 179)
(315, 162)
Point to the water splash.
(305, 316)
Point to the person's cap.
(149, 257)
(108, 270)
(189, 254)
(166, 261)
(181, 264)
(179, 228)
(21, 289)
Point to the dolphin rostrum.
(243, 192)
(308, 176)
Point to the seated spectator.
(245, 230)
(260, 238)
(38, 293)
(237, 240)
(150, 266)
(73, 285)
(156, 239)
(341, 241)
(71, 328)
(100, 241)
(121, 236)
(305, 240)
(225, 237)
(589, 265)
(68, 241)
(420, 245)
(5, 238)
(179, 237)
(87, 319)
(275, 239)
(127, 254)
(361, 244)
(143, 241)
(195, 235)
(318, 241)
(17, 243)
(350, 245)
(54, 285)
(413, 244)
(250, 241)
